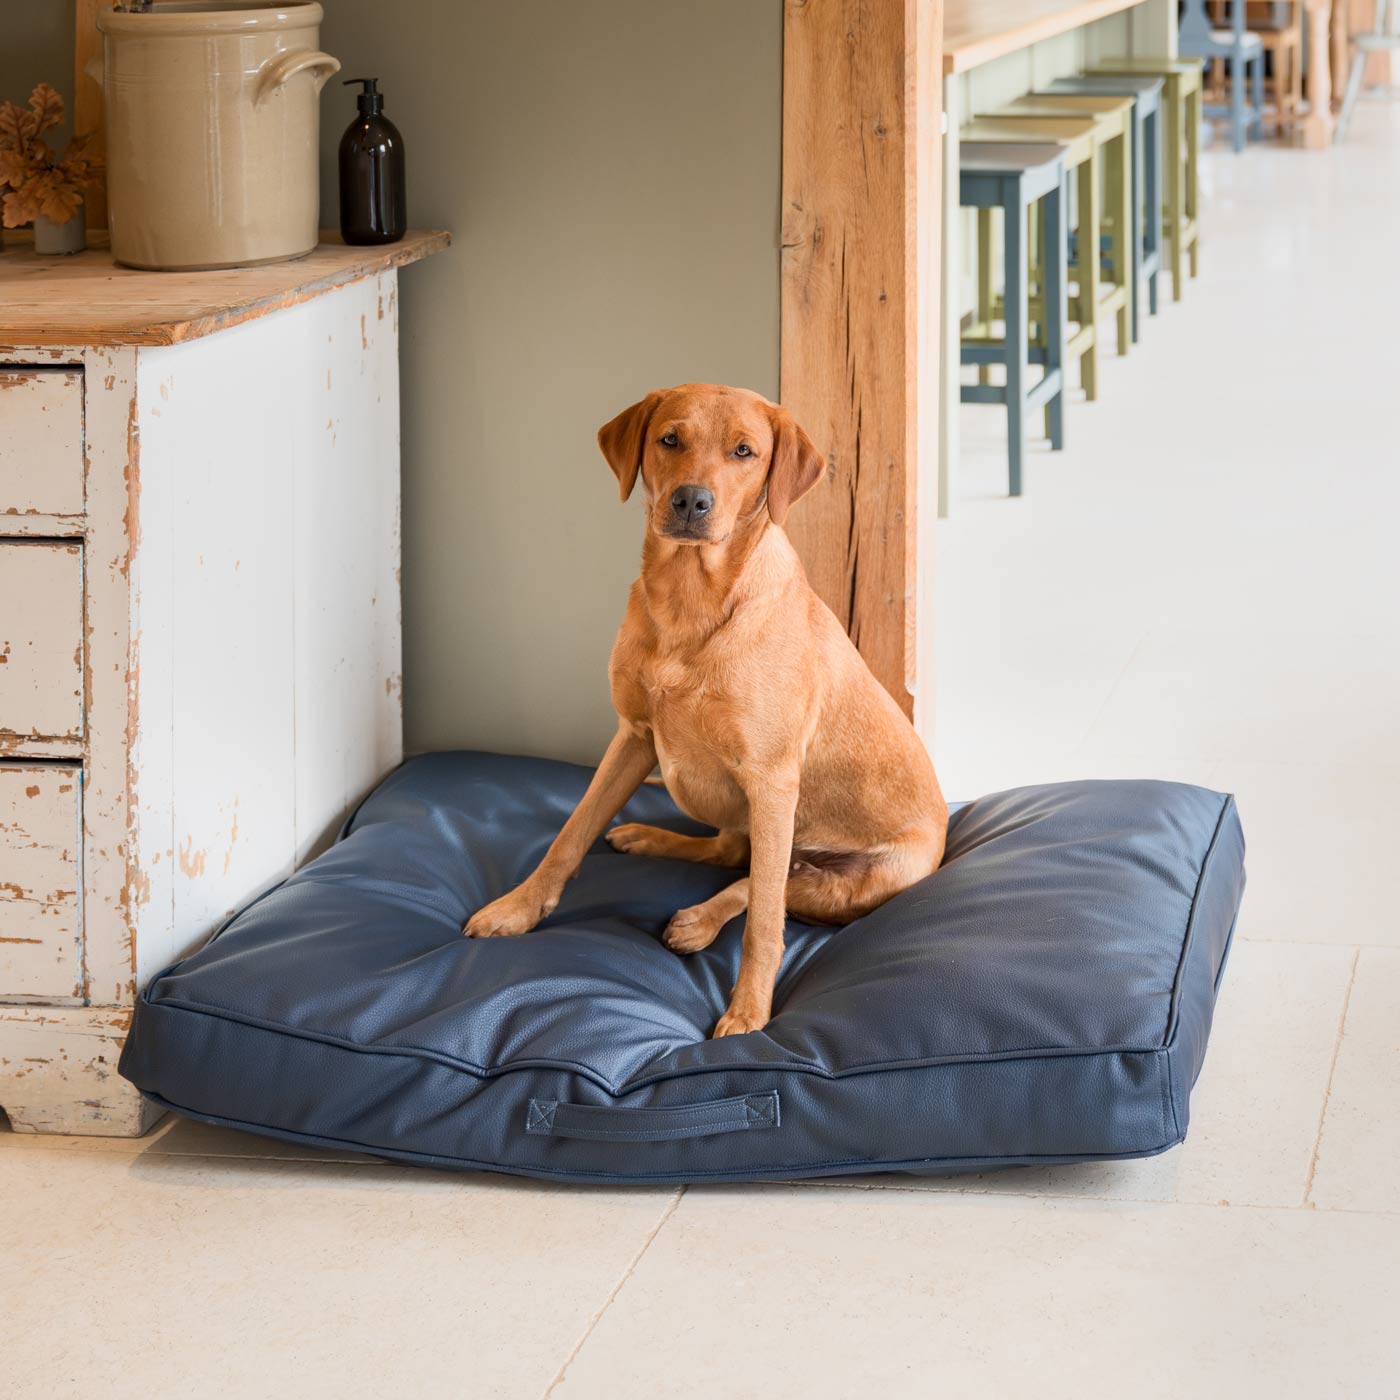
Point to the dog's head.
(711, 459)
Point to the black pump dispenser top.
(371, 100)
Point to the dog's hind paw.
(636, 839)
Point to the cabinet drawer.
(40, 875)
(41, 441)
(41, 639)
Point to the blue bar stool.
(1146, 92)
(1013, 177)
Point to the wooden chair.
(1198, 38)
(1383, 38)
(1015, 178)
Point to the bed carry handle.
(610, 1123)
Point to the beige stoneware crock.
(212, 110)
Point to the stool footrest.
(1040, 393)
(983, 393)
(1050, 385)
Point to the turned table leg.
(1317, 125)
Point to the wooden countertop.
(86, 299)
(977, 31)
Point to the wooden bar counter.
(977, 31)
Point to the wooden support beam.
(862, 111)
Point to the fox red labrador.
(732, 675)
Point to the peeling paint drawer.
(41, 640)
(40, 849)
(41, 441)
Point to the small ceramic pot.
(70, 237)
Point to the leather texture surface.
(1045, 996)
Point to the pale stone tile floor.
(1202, 587)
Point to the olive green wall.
(36, 46)
(610, 171)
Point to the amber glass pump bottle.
(373, 207)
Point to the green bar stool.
(1112, 117)
(1016, 177)
(1146, 92)
(1181, 157)
(1075, 141)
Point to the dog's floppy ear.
(797, 465)
(621, 439)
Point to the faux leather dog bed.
(1044, 997)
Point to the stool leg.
(1295, 78)
(1152, 177)
(1033, 252)
(1055, 313)
(1038, 292)
(1353, 91)
(1017, 346)
(1088, 269)
(1176, 183)
(1239, 76)
(1257, 125)
(1135, 230)
(1124, 223)
(984, 285)
(1035, 288)
(1191, 192)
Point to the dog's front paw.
(516, 912)
(741, 1018)
(691, 929)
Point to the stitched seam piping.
(1188, 933)
(414, 1052)
(1165, 1074)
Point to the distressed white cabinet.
(199, 623)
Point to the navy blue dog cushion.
(1045, 996)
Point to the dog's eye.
(670, 440)
(743, 450)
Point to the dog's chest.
(690, 724)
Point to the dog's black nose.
(691, 502)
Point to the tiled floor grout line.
(1315, 943)
(617, 1288)
(1078, 745)
(1331, 1074)
(1026, 1196)
(36, 1143)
